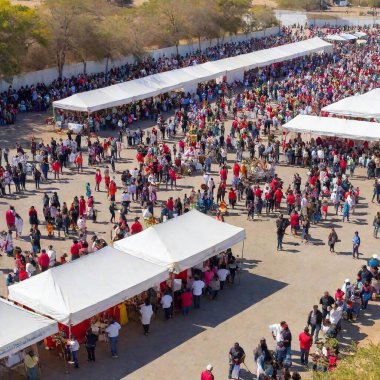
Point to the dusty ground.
(273, 286)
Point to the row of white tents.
(365, 106)
(344, 37)
(187, 78)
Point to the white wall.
(49, 75)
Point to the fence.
(49, 75)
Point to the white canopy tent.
(366, 106)
(182, 242)
(335, 37)
(348, 36)
(360, 34)
(329, 126)
(187, 78)
(85, 287)
(21, 328)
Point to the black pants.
(91, 353)
(146, 329)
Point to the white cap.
(209, 367)
(375, 256)
(347, 280)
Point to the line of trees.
(65, 31)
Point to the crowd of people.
(270, 97)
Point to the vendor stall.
(103, 279)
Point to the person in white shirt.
(74, 348)
(197, 289)
(146, 311)
(223, 272)
(166, 302)
(336, 315)
(81, 223)
(52, 256)
(113, 333)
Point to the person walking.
(261, 356)
(314, 321)
(305, 340)
(281, 225)
(376, 224)
(332, 239)
(113, 333)
(207, 374)
(236, 357)
(146, 311)
(31, 365)
(355, 245)
(90, 343)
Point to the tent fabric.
(366, 106)
(348, 36)
(329, 126)
(182, 242)
(153, 85)
(335, 37)
(78, 290)
(360, 34)
(21, 328)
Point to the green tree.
(20, 27)
(202, 20)
(230, 14)
(168, 24)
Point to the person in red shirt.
(186, 301)
(56, 167)
(236, 169)
(232, 197)
(74, 250)
(22, 274)
(112, 190)
(223, 174)
(10, 217)
(290, 200)
(136, 227)
(43, 261)
(170, 204)
(278, 194)
(305, 343)
(98, 179)
(207, 374)
(295, 222)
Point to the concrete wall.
(49, 75)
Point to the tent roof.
(182, 242)
(360, 34)
(21, 328)
(329, 126)
(348, 36)
(153, 85)
(335, 37)
(366, 106)
(78, 290)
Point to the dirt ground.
(272, 286)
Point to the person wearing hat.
(207, 374)
(136, 227)
(31, 364)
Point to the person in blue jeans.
(236, 356)
(113, 333)
(355, 245)
(74, 348)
